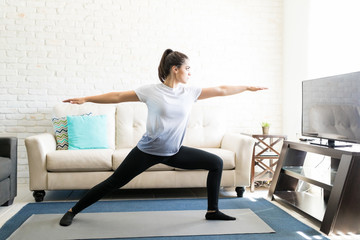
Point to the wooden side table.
(264, 149)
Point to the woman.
(169, 104)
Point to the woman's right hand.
(75, 100)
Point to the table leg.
(252, 177)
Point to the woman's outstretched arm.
(226, 91)
(112, 97)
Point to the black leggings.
(137, 162)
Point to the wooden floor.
(24, 196)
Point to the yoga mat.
(139, 224)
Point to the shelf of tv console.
(338, 209)
(310, 175)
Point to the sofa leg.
(240, 191)
(39, 195)
(8, 203)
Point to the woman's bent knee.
(217, 162)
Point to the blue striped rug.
(285, 225)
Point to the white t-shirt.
(168, 113)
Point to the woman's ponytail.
(170, 58)
(162, 70)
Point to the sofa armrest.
(37, 147)
(8, 149)
(243, 147)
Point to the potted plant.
(265, 127)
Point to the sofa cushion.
(227, 156)
(5, 191)
(120, 154)
(130, 124)
(206, 127)
(5, 168)
(79, 160)
(63, 110)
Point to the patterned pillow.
(61, 131)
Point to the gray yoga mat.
(139, 224)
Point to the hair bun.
(168, 51)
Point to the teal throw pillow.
(87, 132)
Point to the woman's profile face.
(183, 73)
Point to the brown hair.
(170, 58)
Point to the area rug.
(284, 225)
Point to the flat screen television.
(331, 108)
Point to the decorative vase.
(265, 130)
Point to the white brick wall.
(52, 50)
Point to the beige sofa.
(52, 169)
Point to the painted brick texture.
(52, 50)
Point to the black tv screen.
(331, 108)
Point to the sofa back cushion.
(63, 110)
(130, 124)
(205, 128)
